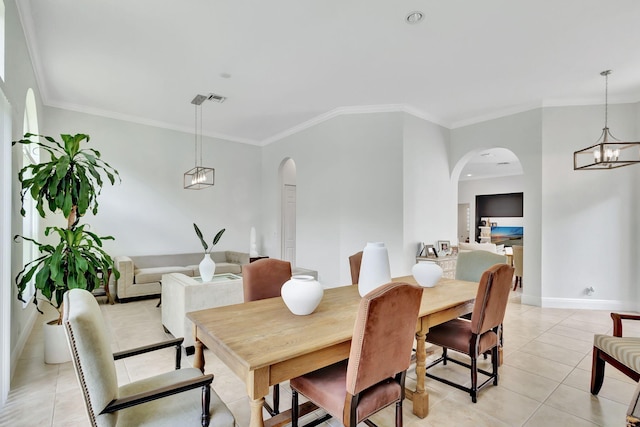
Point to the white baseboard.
(22, 340)
(589, 304)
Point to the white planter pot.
(207, 268)
(374, 269)
(56, 348)
(302, 294)
(427, 274)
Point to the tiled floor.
(544, 380)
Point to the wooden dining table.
(264, 344)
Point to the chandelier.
(608, 152)
(199, 177)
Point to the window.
(30, 155)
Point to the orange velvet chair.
(354, 263)
(373, 377)
(263, 279)
(480, 334)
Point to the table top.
(263, 333)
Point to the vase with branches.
(207, 266)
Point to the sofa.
(141, 275)
(489, 247)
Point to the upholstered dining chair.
(263, 279)
(480, 334)
(354, 263)
(517, 264)
(471, 265)
(179, 397)
(373, 377)
(623, 353)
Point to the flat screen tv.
(507, 236)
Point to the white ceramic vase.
(427, 273)
(302, 294)
(374, 269)
(207, 268)
(56, 348)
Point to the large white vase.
(427, 273)
(56, 348)
(207, 268)
(302, 294)
(374, 269)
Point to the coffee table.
(182, 294)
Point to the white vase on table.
(207, 268)
(374, 268)
(427, 273)
(302, 294)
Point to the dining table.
(264, 344)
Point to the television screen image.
(507, 236)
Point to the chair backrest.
(354, 263)
(264, 278)
(91, 354)
(383, 335)
(471, 265)
(491, 299)
(517, 260)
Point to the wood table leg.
(420, 397)
(256, 413)
(198, 357)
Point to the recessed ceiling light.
(225, 75)
(469, 174)
(414, 17)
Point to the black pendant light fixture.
(609, 152)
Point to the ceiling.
(286, 64)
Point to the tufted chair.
(263, 279)
(373, 376)
(479, 335)
(354, 263)
(623, 353)
(179, 397)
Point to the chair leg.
(294, 408)
(494, 364)
(597, 372)
(474, 380)
(444, 356)
(399, 413)
(276, 399)
(206, 402)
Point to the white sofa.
(141, 275)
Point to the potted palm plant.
(68, 183)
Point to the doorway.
(288, 210)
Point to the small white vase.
(302, 294)
(427, 274)
(374, 269)
(56, 348)
(207, 268)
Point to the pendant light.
(609, 152)
(199, 177)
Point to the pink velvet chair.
(263, 279)
(373, 376)
(479, 335)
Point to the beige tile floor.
(544, 380)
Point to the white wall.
(349, 192)
(469, 189)
(150, 212)
(430, 193)
(590, 218)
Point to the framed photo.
(454, 250)
(444, 247)
(430, 251)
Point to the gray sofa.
(141, 275)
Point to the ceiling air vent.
(216, 98)
(503, 163)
